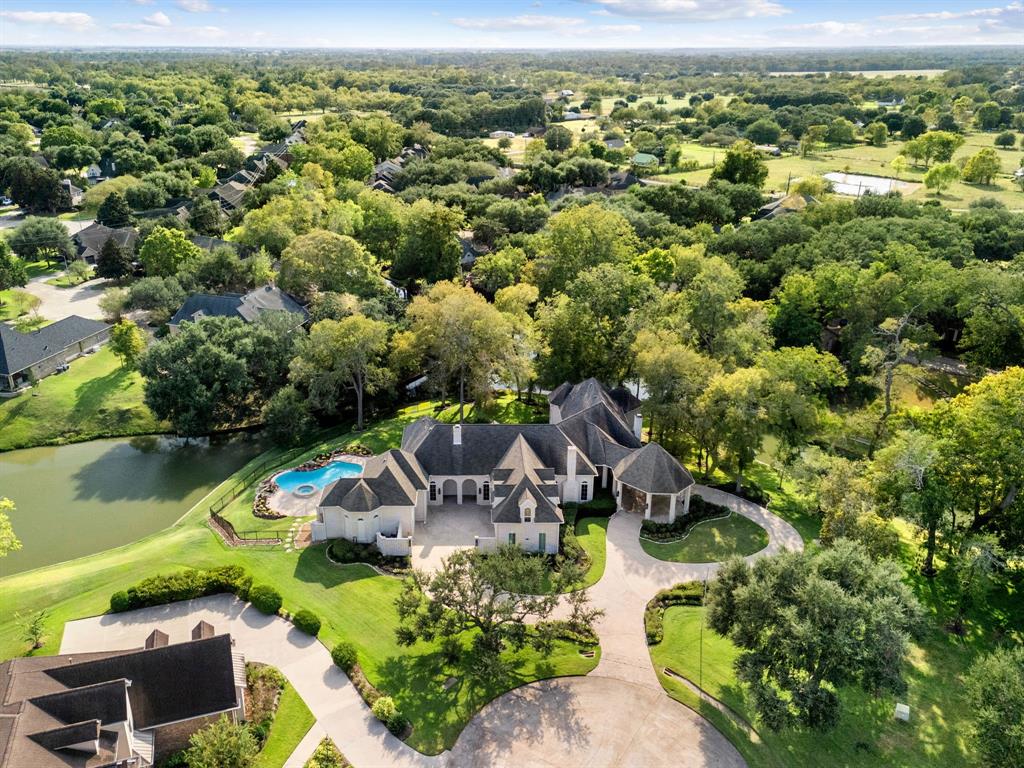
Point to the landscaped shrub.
(345, 551)
(344, 655)
(266, 599)
(699, 510)
(384, 709)
(687, 593)
(307, 621)
(183, 585)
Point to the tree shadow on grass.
(91, 395)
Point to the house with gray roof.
(519, 475)
(28, 357)
(116, 709)
(89, 241)
(247, 306)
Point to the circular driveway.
(591, 722)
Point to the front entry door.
(361, 528)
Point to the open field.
(874, 161)
(96, 398)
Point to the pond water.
(74, 500)
(317, 478)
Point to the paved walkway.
(616, 716)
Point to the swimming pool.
(315, 479)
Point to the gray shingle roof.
(484, 445)
(574, 398)
(156, 693)
(19, 351)
(90, 241)
(390, 479)
(247, 306)
(652, 469)
(507, 510)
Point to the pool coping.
(277, 500)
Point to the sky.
(516, 24)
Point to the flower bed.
(345, 552)
(700, 510)
(687, 593)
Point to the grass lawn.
(291, 722)
(938, 734)
(42, 267)
(353, 601)
(864, 159)
(711, 541)
(14, 303)
(96, 398)
(68, 281)
(592, 533)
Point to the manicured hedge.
(687, 593)
(307, 621)
(345, 551)
(266, 599)
(699, 510)
(183, 585)
(385, 710)
(344, 655)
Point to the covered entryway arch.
(468, 491)
(450, 491)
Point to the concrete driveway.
(617, 716)
(448, 527)
(58, 303)
(591, 722)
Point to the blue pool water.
(326, 475)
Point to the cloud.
(194, 6)
(614, 29)
(525, 21)
(158, 19)
(58, 18)
(210, 32)
(691, 10)
(832, 28)
(143, 2)
(1014, 8)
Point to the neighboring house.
(565, 93)
(90, 241)
(784, 206)
(502, 134)
(615, 143)
(74, 193)
(893, 102)
(768, 149)
(619, 181)
(209, 243)
(567, 116)
(229, 195)
(471, 250)
(28, 357)
(518, 474)
(116, 709)
(387, 171)
(94, 174)
(645, 160)
(247, 306)
(537, 132)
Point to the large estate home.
(521, 473)
(123, 709)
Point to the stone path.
(616, 716)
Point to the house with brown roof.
(116, 709)
(519, 475)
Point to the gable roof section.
(484, 445)
(19, 351)
(652, 469)
(157, 695)
(507, 510)
(390, 479)
(90, 241)
(574, 398)
(247, 306)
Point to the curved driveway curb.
(616, 716)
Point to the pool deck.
(294, 505)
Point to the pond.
(74, 500)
